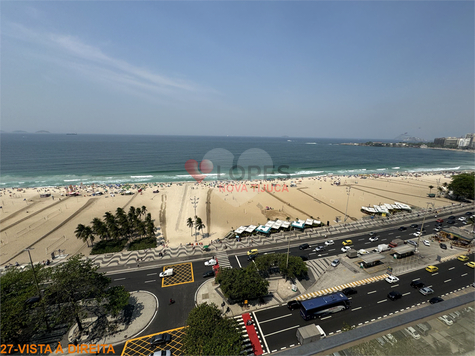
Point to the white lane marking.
(406, 293)
(448, 280)
(151, 274)
(279, 317)
(314, 253)
(260, 330)
(436, 273)
(383, 239)
(398, 236)
(462, 275)
(451, 268)
(332, 249)
(355, 308)
(395, 285)
(325, 317)
(118, 279)
(360, 239)
(153, 280)
(415, 279)
(367, 243)
(371, 292)
(391, 233)
(239, 263)
(280, 331)
(382, 301)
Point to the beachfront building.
(402, 251)
(459, 237)
(386, 209)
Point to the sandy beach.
(47, 224)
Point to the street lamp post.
(194, 202)
(419, 237)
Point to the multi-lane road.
(278, 324)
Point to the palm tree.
(440, 189)
(190, 224)
(79, 231)
(88, 232)
(99, 228)
(143, 211)
(199, 225)
(122, 221)
(84, 233)
(431, 187)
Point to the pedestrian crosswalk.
(223, 259)
(251, 338)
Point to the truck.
(351, 253)
(168, 272)
(396, 242)
(382, 248)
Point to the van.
(412, 332)
(423, 329)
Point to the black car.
(304, 258)
(452, 217)
(443, 246)
(394, 295)
(450, 221)
(160, 339)
(251, 257)
(435, 300)
(414, 226)
(293, 304)
(349, 291)
(304, 246)
(468, 213)
(208, 274)
(419, 229)
(417, 284)
(402, 228)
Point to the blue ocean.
(34, 160)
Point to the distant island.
(42, 132)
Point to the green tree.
(209, 333)
(295, 267)
(80, 290)
(99, 228)
(463, 185)
(190, 224)
(199, 224)
(242, 284)
(431, 187)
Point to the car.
(391, 338)
(394, 295)
(414, 226)
(254, 251)
(160, 339)
(373, 239)
(208, 274)
(437, 229)
(402, 228)
(463, 258)
(391, 279)
(162, 353)
(211, 262)
(469, 213)
(335, 262)
(470, 264)
(329, 242)
(440, 220)
(443, 246)
(362, 252)
(349, 291)
(421, 229)
(304, 258)
(462, 218)
(451, 217)
(304, 246)
(411, 242)
(417, 284)
(451, 222)
(251, 257)
(417, 233)
(168, 272)
(435, 300)
(345, 248)
(432, 269)
(411, 331)
(426, 291)
(319, 248)
(445, 319)
(347, 242)
(371, 234)
(293, 304)
(426, 242)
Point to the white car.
(417, 233)
(391, 279)
(211, 262)
(445, 319)
(391, 338)
(426, 242)
(345, 248)
(362, 252)
(166, 273)
(462, 218)
(437, 229)
(411, 331)
(373, 238)
(329, 242)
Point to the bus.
(323, 306)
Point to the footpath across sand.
(47, 224)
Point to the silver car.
(335, 262)
(426, 291)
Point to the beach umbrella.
(206, 246)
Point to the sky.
(363, 69)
